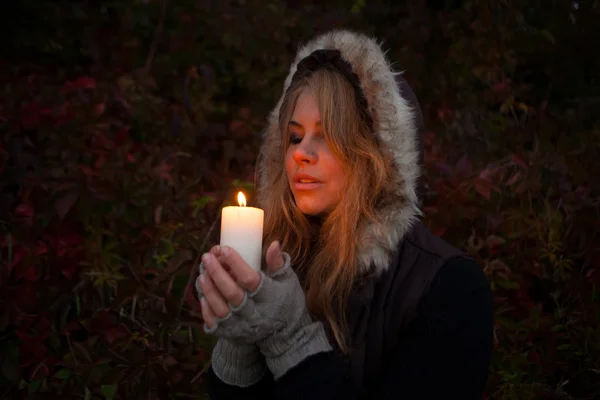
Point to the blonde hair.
(325, 253)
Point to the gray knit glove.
(275, 317)
(237, 364)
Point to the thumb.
(274, 257)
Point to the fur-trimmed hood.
(396, 118)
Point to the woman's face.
(316, 176)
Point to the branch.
(157, 35)
(196, 261)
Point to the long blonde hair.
(325, 254)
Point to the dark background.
(126, 125)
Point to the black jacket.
(441, 353)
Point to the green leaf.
(34, 386)
(109, 391)
(78, 304)
(507, 284)
(64, 373)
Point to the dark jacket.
(421, 322)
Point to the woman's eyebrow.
(299, 125)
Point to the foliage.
(127, 125)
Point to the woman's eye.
(295, 139)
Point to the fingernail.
(202, 278)
(205, 257)
(225, 251)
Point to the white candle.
(242, 229)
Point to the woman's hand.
(227, 280)
(269, 309)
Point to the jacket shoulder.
(459, 284)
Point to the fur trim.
(393, 122)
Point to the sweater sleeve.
(445, 354)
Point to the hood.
(397, 121)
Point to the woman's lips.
(302, 182)
(302, 186)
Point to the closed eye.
(295, 139)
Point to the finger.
(224, 283)
(215, 250)
(198, 288)
(209, 317)
(248, 278)
(274, 257)
(215, 300)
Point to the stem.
(195, 264)
(157, 35)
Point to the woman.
(358, 299)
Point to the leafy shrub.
(126, 127)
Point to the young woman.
(357, 298)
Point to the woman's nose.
(305, 153)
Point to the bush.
(126, 127)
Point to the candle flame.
(241, 199)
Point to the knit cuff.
(284, 352)
(239, 365)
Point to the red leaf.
(115, 333)
(591, 272)
(430, 209)
(513, 179)
(444, 113)
(72, 326)
(176, 377)
(483, 187)
(440, 231)
(494, 241)
(201, 355)
(463, 166)
(499, 86)
(102, 321)
(42, 327)
(83, 82)
(30, 273)
(98, 109)
(162, 170)
(519, 161)
(24, 211)
(31, 354)
(88, 171)
(521, 188)
(487, 174)
(158, 214)
(69, 268)
(100, 162)
(42, 248)
(191, 298)
(122, 136)
(64, 204)
(102, 141)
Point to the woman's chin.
(312, 210)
